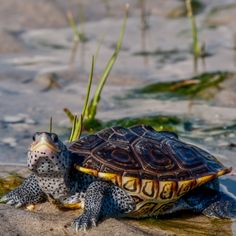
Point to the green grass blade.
(73, 129)
(78, 129)
(69, 114)
(78, 123)
(92, 108)
(196, 44)
(77, 36)
(88, 88)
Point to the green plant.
(196, 44)
(78, 122)
(78, 35)
(90, 108)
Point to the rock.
(18, 118)
(9, 141)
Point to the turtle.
(123, 172)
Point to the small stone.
(19, 118)
(9, 141)
(30, 121)
(223, 144)
(209, 139)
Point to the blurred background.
(175, 70)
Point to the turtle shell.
(146, 163)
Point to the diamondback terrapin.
(132, 172)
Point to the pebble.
(18, 118)
(209, 139)
(9, 141)
(223, 144)
(231, 135)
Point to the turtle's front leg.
(102, 200)
(28, 193)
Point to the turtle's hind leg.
(223, 207)
(102, 200)
(28, 193)
(211, 203)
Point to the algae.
(158, 122)
(9, 183)
(196, 87)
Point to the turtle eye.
(54, 138)
(35, 136)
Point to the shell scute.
(141, 129)
(86, 143)
(117, 157)
(152, 157)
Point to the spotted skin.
(135, 172)
(28, 193)
(103, 199)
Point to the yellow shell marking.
(87, 170)
(149, 188)
(114, 178)
(153, 196)
(167, 189)
(185, 186)
(131, 184)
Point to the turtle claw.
(83, 222)
(18, 205)
(3, 199)
(13, 199)
(10, 202)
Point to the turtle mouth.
(44, 147)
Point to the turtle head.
(47, 154)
